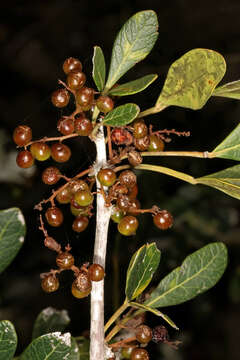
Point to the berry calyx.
(60, 98)
(64, 260)
(85, 97)
(72, 64)
(76, 79)
(50, 283)
(83, 197)
(22, 135)
(80, 223)
(24, 159)
(140, 129)
(156, 144)
(128, 178)
(128, 225)
(83, 126)
(54, 216)
(51, 175)
(143, 334)
(139, 354)
(163, 220)
(60, 152)
(66, 126)
(106, 177)
(40, 151)
(96, 272)
(105, 104)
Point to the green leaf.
(199, 272)
(227, 180)
(192, 78)
(133, 87)
(133, 43)
(50, 320)
(121, 115)
(156, 312)
(229, 147)
(99, 68)
(230, 90)
(141, 268)
(12, 232)
(53, 346)
(8, 340)
(83, 345)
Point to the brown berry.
(22, 135)
(139, 354)
(76, 79)
(156, 144)
(60, 98)
(72, 64)
(140, 129)
(65, 260)
(76, 185)
(106, 177)
(54, 216)
(80, 223)
(65, 126)
(142, 144)
(83, 126)
(134, 158)
(96, 272)
(128, 225)
(85, 97)
(24, 159)
(128, 178)
(143, 334)
(60, 152)
(64, 196)
(50, 283)
(83, 281)
(52, 244)
(51, 175)
(79, 294)
(105, 104)
(163, 220)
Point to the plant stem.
(97, 293)
(153, 110)
(116, 315)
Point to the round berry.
(163, 220)
(143, 334)
(65, 126)
(139, 354)
(106, 177)
(83, 197)
(79, 294)
(128, 178)
(134, 158)
(51, 175)
(105, 104)
(117, 215)
(40, 151)
(24, 159)
(123, 202)
(134, 206)
(54, 216)
(96, 272)
(76, 79)
(127, 351)
(140, 129)
(60, 152)
(22, 135)
(76, 185)
(65, 260)
(156, 144)
(80, 223)
(132, 193)
(128, 225)
(83, 126)
(83, 281)
(64, 196)
(120, 136)
(72, 64)
(85, 97)
(50, 283)
(142, 144)
(60, 98)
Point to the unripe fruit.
(79, 294)
(163, 220)
(76, 79)
(65, 126)
(60, 152)
(72, 64)
(85, 97)
(106, 177)
(156, 144)
(126, 352)
(128, 178)
(54, 216)
(128, 225)
(117, 215)
(143, 334)
(83, 197)
(83, 126)
(40, 151)
(105, 104)
(60, 98)
(50, 283)
(140, 129)
(65, 260)
(22, 135)
(51, 175)
(80, 223)
(24, 159)
(139, 354)
(96, 272)
(79, 211)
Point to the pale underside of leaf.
(229, 90)
(229, 148)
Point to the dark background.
(35, 39)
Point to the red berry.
(106, 177)
(80, 223)
(143, 334)
(83, 126)
(83, 197)
(128, 225)
(128, 178)
(50, 283)
(60, 98)
(156, 144)
(105, 104)
(71, 64)
(139, 354)
(96, 272)
(64, 196)
(140, 129)
(54, 216)
(163, 220)
(60, 152)
(65, 126)
(120, 136)
(22, 135)
(24, 159)
(76, 79)
(85, 97)
(40, 151)
(51, 175)
(65, 260)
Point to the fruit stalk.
(102, 223)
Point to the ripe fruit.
(54, 216)
(142, 144)
(139, 354)
(60, 98)
(79, 294)
(117, 215)
(80, 223)
(120, 136)
(134, 205)
(85, 97)
(96, 272)
(143, 334)
(24, 159)
(60, 152)
(83, 282)
(105, 104)
(40, 151)
(65, 260)
(22, 135)
(50, 283)
(106, 177)
(128, 225)
(76, 79)
(134, 158)
(76, 185)
(123, 202)
(132, 193)
(163, 220)
(83, 126)
(64, 196)
(140, 129)
(156, 144)
(83, 197)
(65, 126)
(71, 64)
(51, 175)
(128, 178)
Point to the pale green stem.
(116, 315)
(153, 110)
(197, 154)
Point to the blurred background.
(35, 38)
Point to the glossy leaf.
(133, 87)
(155, 312)
(230, 147)
(50, 320)
(227, 180)
(229, 90)
(121, 115)
(199, 272)
(141, 268)
(99, 68)
(53, 346)
(192, 78)
(83, 345)
(133, 43)
(12, 232)
(8, 340)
